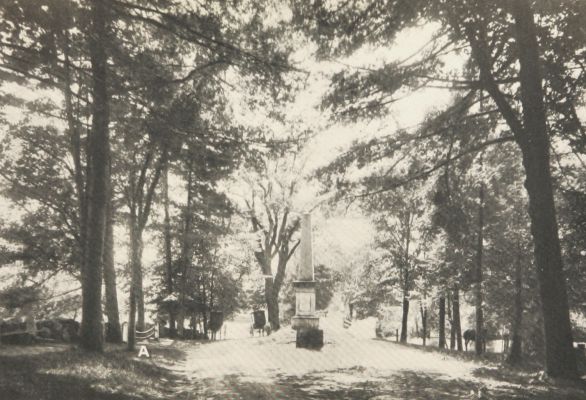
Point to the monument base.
(310, 338)
(302, 322)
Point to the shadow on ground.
(362, 384)
(66, 373)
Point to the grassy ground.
(529, 367)
(63, 372)
(267, 368)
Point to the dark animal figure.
(216, 322)
(470, 336)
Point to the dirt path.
(352, 365)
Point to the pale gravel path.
(352, 364)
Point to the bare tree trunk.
(275, 285)
(75, 149)
(442, 322)
(479, 342)
(405, 317)
(133, 295)
(515, 355)
(167, 233)
(560, 360)
(406, 279)
(185, 254)
(423, 310)
(456, 318)
(91, 325)
(450, 307)
(451, 319)
(531, 135)
(114, 333)
(272, 300)
(140, 324)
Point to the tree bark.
(515, 356)
(185, 254)
(167, 233)
(532, 137)
(406, 278)
(114, 333)
(560, 360)
(456, 318)
(140, 323)
(204, 301)
(272, 300)
(91, 325)
(75, 149)
(283, 259)
(442, 322)
(405, 317)
(423, 310)
(134, 270)
(451, 319)
(479, 342)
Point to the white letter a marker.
(143, 352)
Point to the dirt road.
(352, 365)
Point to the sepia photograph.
(292, 199)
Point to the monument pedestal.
(309, 338)
(298, 322)
(305, 317)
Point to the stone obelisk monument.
(305, 321)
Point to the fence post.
(397, 335)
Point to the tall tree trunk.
(204, 298)
(75, 149)
(167, 233)
(456, 318)
(140, 323)
(532, 137)
(442, 322)
(114, 333)
(134, 268)
(405, 317)
(272, 300)
(185, 254)
(406, 278)
(277, 283)
(560, 360)
(423, 310)
(479, 342)
(515, 355)
(451, 319)
(91, 324)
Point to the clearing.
(352, 365)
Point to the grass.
(63, 372)
(46, 372)
(494, 366)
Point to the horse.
(470, 336)
(267, 329)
